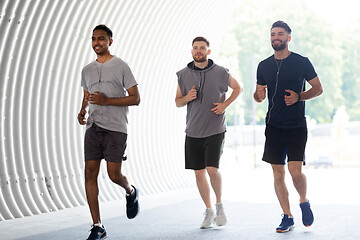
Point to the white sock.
(98, 224)
(132, 191)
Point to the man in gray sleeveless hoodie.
(202, 86)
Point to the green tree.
(312, 37)
(351, 73)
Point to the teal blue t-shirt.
(293, 72)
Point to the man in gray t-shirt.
(109, 88)
(202, 86)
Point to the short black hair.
(104, 28)
(281, 24)
(201, 39)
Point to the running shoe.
(132, 204)
(287, 223)
(307, 215)
(209, 219)
(97, 233)
(220, 219)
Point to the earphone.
(276, 86)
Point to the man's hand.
(81, 117)
(191, 94)
(291, 98)
(98, 98)
(219, 109)
(261, 92)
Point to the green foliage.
(351, 71)
(335, 58)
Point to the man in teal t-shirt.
(283, 75)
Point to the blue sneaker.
(287, 223)
(132, 204)
(97, 233)
(307, 215)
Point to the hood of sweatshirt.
(192, 66)
(200, 75)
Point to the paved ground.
(252, 210)
(181, 221)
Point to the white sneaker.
(209, 218)
(220, 219)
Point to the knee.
(279, 175)
(200, 174)
(295, 169)
(90, 174)
(212, 171)
(295, 174)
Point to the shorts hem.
(274, 163)
(115, 161)
(195, 168)
(91, 159)
(284, 162)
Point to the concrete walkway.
(181, 221)
(253, 213)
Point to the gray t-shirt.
(116, 78)
(211, 85)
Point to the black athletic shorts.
(203, 152)
(101, 143)
(281, 143)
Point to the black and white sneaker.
(132, 204)
(97, 233)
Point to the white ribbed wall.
(44, 45)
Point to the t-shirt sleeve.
(128, 78)
(309, 70)
(83, 82)
(259, 75)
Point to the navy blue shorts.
(101, 143)
(281, 143)
(203, 152)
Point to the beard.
(280, 47)
(201, 59)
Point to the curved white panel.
(44, 45)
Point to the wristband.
(299, 97)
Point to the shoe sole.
(308, 225)
(205, 227)
(286, 230)
(210, 226)
(222, 224)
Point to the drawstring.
(202, 82)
